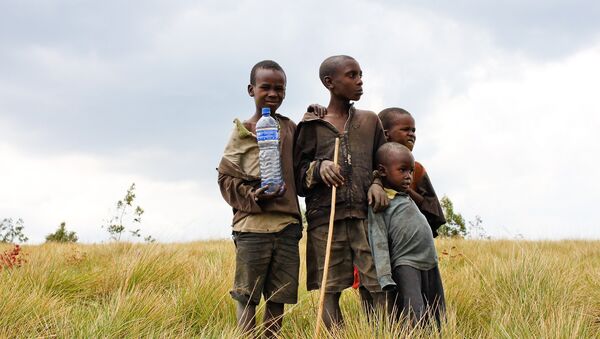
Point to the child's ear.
(251, 90)
(328, 82)
(387, 135)
(381, 170)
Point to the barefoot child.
(266, 226)
(360, 134)
(402, 242)
(399, 126)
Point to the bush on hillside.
(62, 235)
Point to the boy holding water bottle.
(266, 225)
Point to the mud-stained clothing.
(350, 246)
(265, 234)
(267, 264)
(315, 140)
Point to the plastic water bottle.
(267, 135)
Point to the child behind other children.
(399, 126)
(266, 226)
(402, 242)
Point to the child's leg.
(281, 284)
(372, 297)
(273, 319)
(434, 294)
(332, 314)
(395, 305)
(366, 300)
(246, 316)
(373, 301)
(251, 267)
(381, 301)
(409, 282)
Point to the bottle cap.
(266, 111)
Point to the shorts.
(267, 264)
(349, 248)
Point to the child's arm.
(378, 240)
(317, 110)
(261, 194)
(377, 197)
(330, 173)
(424, 196)
(304, 162)
(416, 197)
(310, 171)
(240, 194)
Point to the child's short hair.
(387, 116)
(329, 66)
(388, 151)
(265, 64)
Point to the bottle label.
(267, 134)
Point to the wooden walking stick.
(328, 249)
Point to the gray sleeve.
(378, 240)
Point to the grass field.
(494, 289)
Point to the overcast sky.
(97, 95)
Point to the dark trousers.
(420, 294)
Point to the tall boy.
(399, 126)
(360, 134)
(266, 226)
(402, 241)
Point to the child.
(402, 242)
(266, 226)
(360, 134)
(399, 126)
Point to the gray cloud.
(152, 87)
(541, 29)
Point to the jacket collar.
(392, 193)
(243, 132)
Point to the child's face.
(347, 80)
(268, 90)
(403, 131)
(397, 173)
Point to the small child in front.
(266, 226)
(402, 241)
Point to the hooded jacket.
(315, 140)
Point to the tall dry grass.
(494, 289)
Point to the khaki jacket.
(238, 180)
